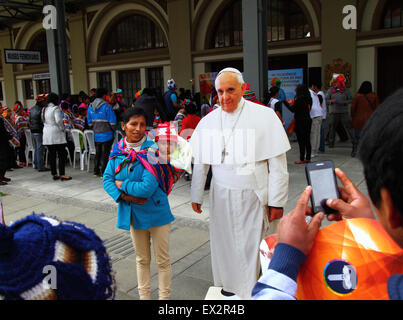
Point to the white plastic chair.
(90, 143)
(118, 136)
(57, 159)
(68, 156)
(67, 149)
(29, 146)
(77, 147)
(176, 124)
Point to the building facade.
(142, 43)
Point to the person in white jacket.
(54, 136)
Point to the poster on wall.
(290, 79)
(206, 81)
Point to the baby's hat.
(166, 132)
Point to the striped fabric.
(68, 118)
(79, 123)
(21, 121)
(2, 212)
(165, 174)
(15, 141)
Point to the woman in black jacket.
(6, 151)
(301, 109)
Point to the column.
(143, 78)
(92, 78)
(167, 76)
(180, 42)
(199, 68)
(9, 83)
(58, 51)
(114, 80)
(254, 24)
(366, 66)
(77, 52)
(336, 41)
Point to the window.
(229, 28)
(285, 21)
(43, 86)
(393, 15)
(133, 33)
(28, 89)
(105, 80)
(155, 79)
(130, 83)
(39, 44)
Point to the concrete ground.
(83, 200)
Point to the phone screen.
(323, 186)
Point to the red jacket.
(189, 122)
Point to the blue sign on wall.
(290, 79)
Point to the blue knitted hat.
(34, 246)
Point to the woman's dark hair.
(381, 152)
(65, 96)
(191, 108)
(101, 92)
(53, 98)
(273, 91)
(302, 91)
(366, 87)
(82, 111)
(133, 112)
(64, 105)
(150, 91)
(82, 94)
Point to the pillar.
(57, 51)
(336, 41)
(78, 54)
(180, 42)
(9, 83)
(254, 24)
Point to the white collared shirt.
(324, 106)
(316, 108)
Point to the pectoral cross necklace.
(224, 151)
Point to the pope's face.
(230, 91)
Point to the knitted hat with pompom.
(42, 258)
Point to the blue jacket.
(141, 183)
(102, 119)
(172, 111)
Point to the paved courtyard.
(83, 199)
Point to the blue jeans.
(357, 134)
(39, 148)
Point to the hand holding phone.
(353, 203)
(321, 176)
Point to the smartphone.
(320, 175)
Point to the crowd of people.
(319, 115)
(52, 118)
(248, 191)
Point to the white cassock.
(246, 150)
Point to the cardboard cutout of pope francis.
(245, 145)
